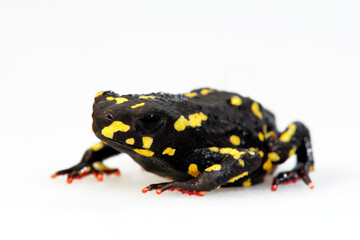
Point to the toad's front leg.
(232, 165)
(91, 162)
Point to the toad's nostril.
(109, 116)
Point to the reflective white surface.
(300, 59)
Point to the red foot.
(99, 177)
(69, 180)
(145, 190)
(54, 175)
(274, 187)
(310, 185)
(159, 191)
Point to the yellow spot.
(169, 151)
(233, 152)
(180, 124)
(99, 94)
(236, 101)
(311, 168)
(273, 156)
(100, 166)
(147, 141)
(252, 152)
(147, 97)
(130, 141)
(292, 151)
(138, 105)
(265, 129)
(96, 147)
(235, 140)
(194, 121)
(215, 167)
(288, 134)
(261, 153)
(255, 108)
(270, 134)
(114, 127)
(247, 183)
(193, 170)
(267, 166)
(238, 177)
(214, 149)
(241, 162)
(261, 136)
(144, 152)
(118, 100)
(206, 91)
(191, 95)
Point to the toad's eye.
(149, 124)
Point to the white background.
(300, 59)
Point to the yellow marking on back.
(238, 177)
(144, 152)
(292, 151)
(214, 149)
(236, 101)
(191, 95)
(273, 156)
(147, 97)
(193, 170)
(288, 134)
(255, 108)
(261, 136)
(138, 105)
(114, 127)
(99, 94)
(247, 183)
(194, 121)
(206, 91)
(118, 100)
(180, 124)
(215, 167)
(96, 147)
(130, 141)
(169, 151)
(147, 141)
(235, 140)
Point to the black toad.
(203, 140)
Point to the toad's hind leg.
(294, 140)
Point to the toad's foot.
(83, 169)
(171, 186)
(293, 176)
